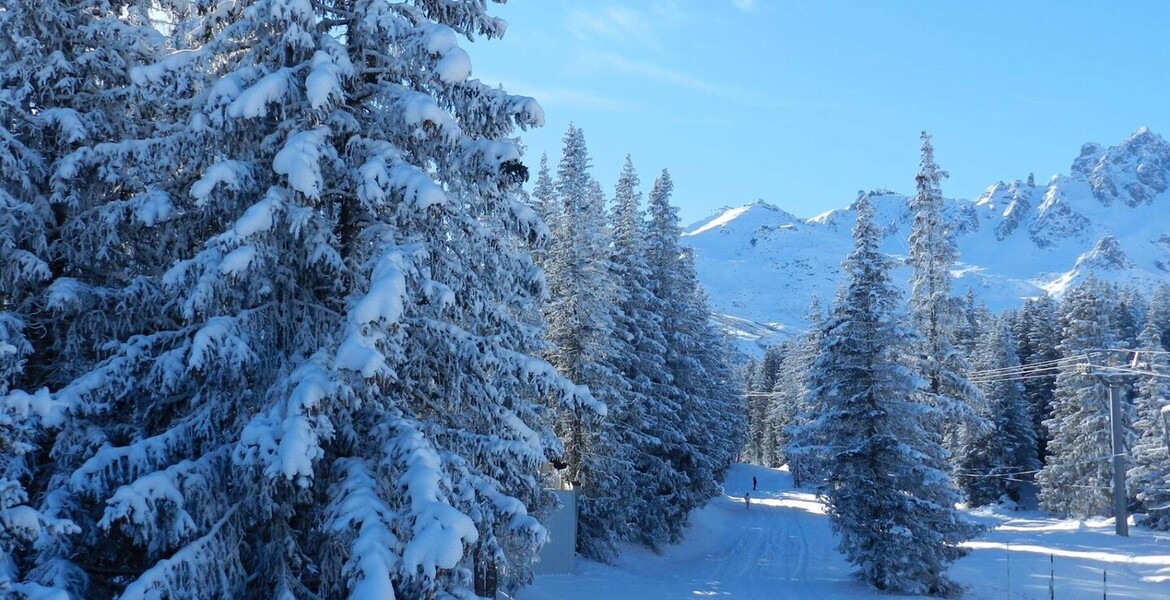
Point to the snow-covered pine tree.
(649, 417)
(1005, 455)
(581, 329)
(710, 415)
(543, 201)
(1037, 338)
(1127, 316)
(544, 194)
(713, 388)
(932, 308)
(1159, 312)
(761, 436)
(1076, 479)
(973, 322)
(784, 400)
(889, 499)
(800, 450)
(325, 389)
(780, 409)
(25, 221)
(64, 64)
(1149, 477)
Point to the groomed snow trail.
(782, 549)
(779, 548)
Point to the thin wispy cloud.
(574, 98)
(663, 75)
(620, 25)
(561, 97)
(744, 5)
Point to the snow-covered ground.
(782, 548)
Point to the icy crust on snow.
(1017, 240)
(419, 111)
(387, 290)
(225, 91)
(237, 261)
(529, 110)
(67, 291)
(152, 207)
(286, 440)
(219, 339)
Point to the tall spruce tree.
(889, 498)
(1005, 455)
(65, 65)
(974, 320)
(1037, 343)
(581, 329)
(761, 436)
(710, 412)
(1075, 480)
(1159, 314)
(802, 443)
(319, 383)
(1127, 316)
(1149, 478)
(933, 310)
(543, 200)
(649, 420)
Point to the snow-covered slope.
(782, 548)
(1108, 216)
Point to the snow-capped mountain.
(1108, 216)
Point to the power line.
(1142, 372)
(1041, 364)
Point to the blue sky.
(803, 103)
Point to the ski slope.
(782, 548)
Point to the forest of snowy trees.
(277, 319)
(895, 411)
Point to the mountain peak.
(1142, 133)
(1090, 155)
(1133, 172)
(750, 216)
(1106, 255)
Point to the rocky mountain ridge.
(762, 265)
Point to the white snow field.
(781, 548)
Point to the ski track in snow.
(783, 549)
